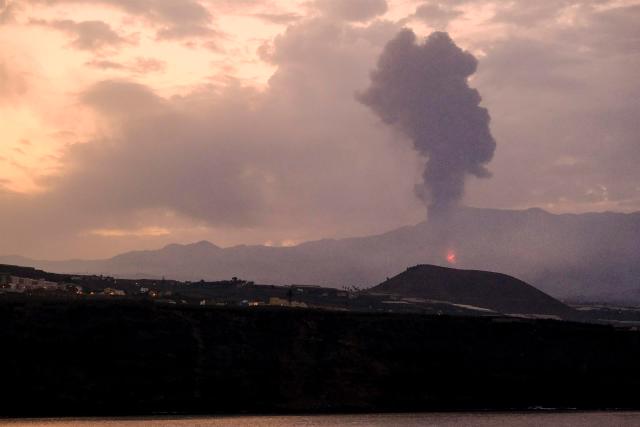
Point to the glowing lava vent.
(451, 256)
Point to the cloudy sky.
(130, 124)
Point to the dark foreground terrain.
(124, 358)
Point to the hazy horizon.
(443, 261)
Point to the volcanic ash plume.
(422, 91)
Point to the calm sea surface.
(599, 419)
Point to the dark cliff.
(121, 358)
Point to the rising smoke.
(422, 91)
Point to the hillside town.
(30, 282)
(17, 284)
(26, 282)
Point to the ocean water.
(599, 419)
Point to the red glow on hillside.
(451, 256)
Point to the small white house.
(114, 292)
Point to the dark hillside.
(495, 291)
(109, 358)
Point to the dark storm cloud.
(13, 83)
(352, 10)
(278, 18)
(7, 11)
(523, 57)
(565, 98)
(178, 32)
(183, 12)
(435, 14)
(115, 98)
(164, 158)
(5, 81)
(88, 35)
(194, 155)
(140, 65)
(534, 12)
(236, 158)
(173, 19)
(609, 32)
(422, 90)
(177, 20)
(104, 64)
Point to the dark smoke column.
(422, 90)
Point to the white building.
(18, 284)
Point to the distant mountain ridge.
(593, 256)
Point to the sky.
(131, 124)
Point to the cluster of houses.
(16, 284)
(12, 284)
(235, 292)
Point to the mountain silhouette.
(593, 256)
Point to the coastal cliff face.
(124, 358)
